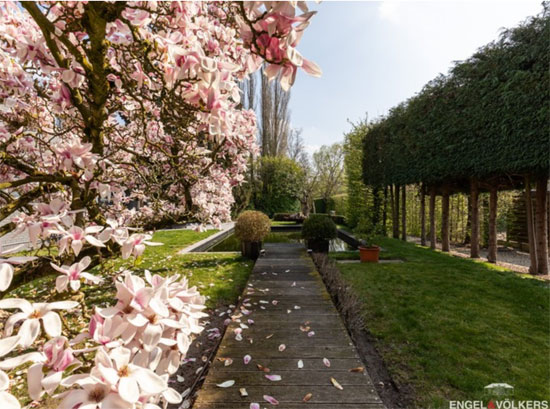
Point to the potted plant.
(318, 230)
(251, 228)
(368, 252)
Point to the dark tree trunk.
(541, 225)
(468, 230)
(451, 218)
(493, 205)
(432, 218)
(376, 207)
(530, 227)
(385, 212)
(473, 218)
(396, 212)
(422, 216)
(485, 224)
(392, 202)
(548, 228)
(445, 244)
(404, 213)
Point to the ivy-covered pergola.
(481, 128)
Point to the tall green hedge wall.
(489, 116)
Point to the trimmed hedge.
(319, 227)
(487, 117)
(337, 218)
(288, 217)
(252, 225)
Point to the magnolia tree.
(102, 104)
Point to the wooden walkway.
(288, 305)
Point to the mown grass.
(385, 254)
(220, 277)
(276, 223)
(449, 326)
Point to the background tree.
(329, 165)
(296, 147)
(280, 189)
(358, 193)
(274, 118)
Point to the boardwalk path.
(286, 295)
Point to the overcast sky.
(376, 54)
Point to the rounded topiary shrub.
(252, 226)
(319, 227)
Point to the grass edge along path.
(449, 326)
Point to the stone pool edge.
(229, 228)
(210, 241)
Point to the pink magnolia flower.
(76, 237)
(132, 294)
(6, 267)
(94, 394)
(56, 207)
(36, 226)
(73, 274)
(105, 330)
(131, 381)
(135, 245)
(140, 76)
(7, 344)
(56, 356)
(8, 400)
(49, 218)
(31, 315)
(76, 153)
(59, 357)
(142, 306)
(114, 232)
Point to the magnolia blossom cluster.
(163, 118)
(116, 115)
(138, 343)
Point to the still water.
(232, 243)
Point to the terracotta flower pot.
(251, 249)
(369, 254)
(318, 245)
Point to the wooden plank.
(289, 394)
(291, 351)
(258, 333)
(289, 291)
(296, 299)
(278, 364)
(289, 317)
(284, 282)
(302, 341)
(302, 304)
(282, 307)
(243, 405)
(299, 377)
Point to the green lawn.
(275, 223)
(220, 277)
(449, 326)
(385, 254)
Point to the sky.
(375, 54)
